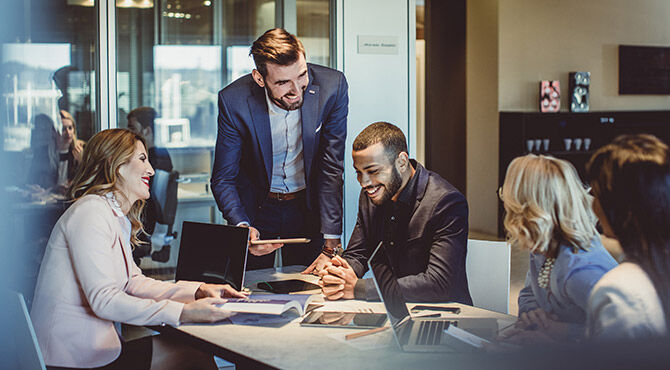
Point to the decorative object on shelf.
(587, 143)
(578, 143)
(545, 144)
(579, 91)
(550, 96)
(568, 143)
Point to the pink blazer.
(88, 280)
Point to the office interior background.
(456, 65)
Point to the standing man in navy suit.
(279, 157)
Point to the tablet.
(286, 286)
(345, 320)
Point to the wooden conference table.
(291, 346)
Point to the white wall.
(381, 87)
(513, 44)
(482, 114)
(542, 40)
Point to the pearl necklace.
(545, 272)
(113, 199)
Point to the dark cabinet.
(570, 136)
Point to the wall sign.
(378, 45)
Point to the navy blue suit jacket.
(242, 170)
(430, 265)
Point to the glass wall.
(47, 83)
(174, 56)
(171, 55)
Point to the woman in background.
(55, 155)
(88, 282)
(548, 213)
(631, 183)
(70, 151)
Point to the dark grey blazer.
(430, 266)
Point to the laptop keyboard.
(430, 331)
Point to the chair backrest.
(164, 196)
(19, 347)
(488, 269)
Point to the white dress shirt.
(288, 165)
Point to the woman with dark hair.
(631, 183)
(88, 281)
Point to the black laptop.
(212, 253)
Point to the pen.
(364, 333)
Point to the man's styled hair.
(546, 205)
(145, 116)
(390, 136)
(276, 46)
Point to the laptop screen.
(212, 253)
(387, 285)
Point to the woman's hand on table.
(218, 291)
(204, 310)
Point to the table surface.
(291, 346)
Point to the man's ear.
(147, 132)
(402, 162)
(258, 78)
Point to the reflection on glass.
(30, 89)
(313, 19)
(187, 80)
(47, 57)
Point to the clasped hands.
(337, 279)
(207, 297)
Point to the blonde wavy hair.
(98, 172)
(546, 205)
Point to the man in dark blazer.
(420, 218)
(279, 155)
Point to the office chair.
(487, 265)
(18, 347)
(164, 195)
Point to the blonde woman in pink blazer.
(88, 282)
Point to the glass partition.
(47, 74)
(176, 55)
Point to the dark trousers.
(287, 219)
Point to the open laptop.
(212, 253)
(419, 334)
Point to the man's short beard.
(392, 188)
(283, 104)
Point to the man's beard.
(286, 106)
(391, 189)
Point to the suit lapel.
(261, 122)
(421, 185)
(308, 115)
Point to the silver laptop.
(419, 334)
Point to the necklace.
(545, 272)
(112, 198)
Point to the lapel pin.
(311, 91)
